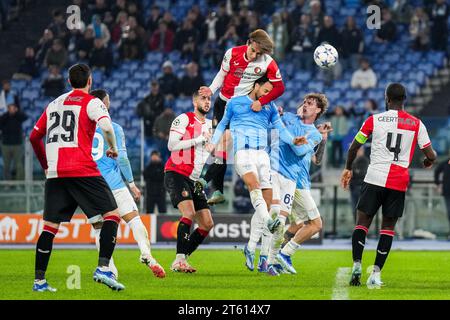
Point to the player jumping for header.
(395, 134)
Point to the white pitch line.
(340, 289)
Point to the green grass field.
(222, 275)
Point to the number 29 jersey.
(394, 138)
(69, 123)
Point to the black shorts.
(372, 197)
(218, 111)
(181, 188)
(64, 195)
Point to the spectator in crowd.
(7, 96)
(162, 39)
(192, 80)
(168, 82)
(100, 29)
(58, 26)
(230, 39)
(56, 55)
(131, 47)
(388, 29)
(359, 170)
(210, 53)
(317, 16)
(12, 142)
(442, 181)
(44, 44)
(27, 69)
(352, 44)
(298, 11)
(186, 40)
(168, 18)
(4, 14)
(340, 126)
(153, 19)
(120, 28)
(136, 27)
(330, 34)
(364, 78)
(161, 130)
(74, 38)
(100, 8)
(286, 19)
(150, 107)
(195, 16)
(302, 44)
(278, 32)
(439, 31)
(223, 19)
(155, 192)
(119, 6)
(135, 12)
(419, 29)
(85, 45)
(54, 84)
(401, 11)
(100, 56)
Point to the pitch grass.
(222, 275)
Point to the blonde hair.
(261, 37)
(321, 100)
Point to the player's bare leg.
(384, 246)
(303, 234)
(290, 232)
(180, 263)
(358, 242)
(141, 237)
(43, 251)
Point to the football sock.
(266, 241)
(140, 235)
(260, 205)
(287, 237)
(195, 239)
(43, 251)
(112, 266)
(107, 239)
(256, 231)
(290, 248)
(277, 239)
(183, 231)
(384, 246)
(274, 210)
(358, 242)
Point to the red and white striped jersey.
(189, 162)
(69, 124)
(394, 138)
(242, 74)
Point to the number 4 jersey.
(394, 138)
(69, 124)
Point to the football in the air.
(326, 56)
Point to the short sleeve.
(226, 61)
(273, 72)
(365, 131)
(179, 124)
(96, 110)
(41, 124)
(422, 137)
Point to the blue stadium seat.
(31, 93)
(353, 95)
(132, 84)
(111, 85)
(142, 75)
(333, 94)
(120, 74)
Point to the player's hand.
(112, 153)
(345, 178)
(207, 135)
(205, 91)
(256, 106)
(298, 141)
(135, 192)
(324, 129)
(427, 164)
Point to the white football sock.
(112, 266)
(290, 248)
(274, 210)
(260, 205)
(266, 240)
(256, 231)
(140, 235)
(277, 239)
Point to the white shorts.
(283, 191)
(256, 161)
(304, 207)
(125, 204)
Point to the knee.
(316, 225)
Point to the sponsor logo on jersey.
(239, 72)
(75, 99)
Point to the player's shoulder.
(181, 120)
(238, 50)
